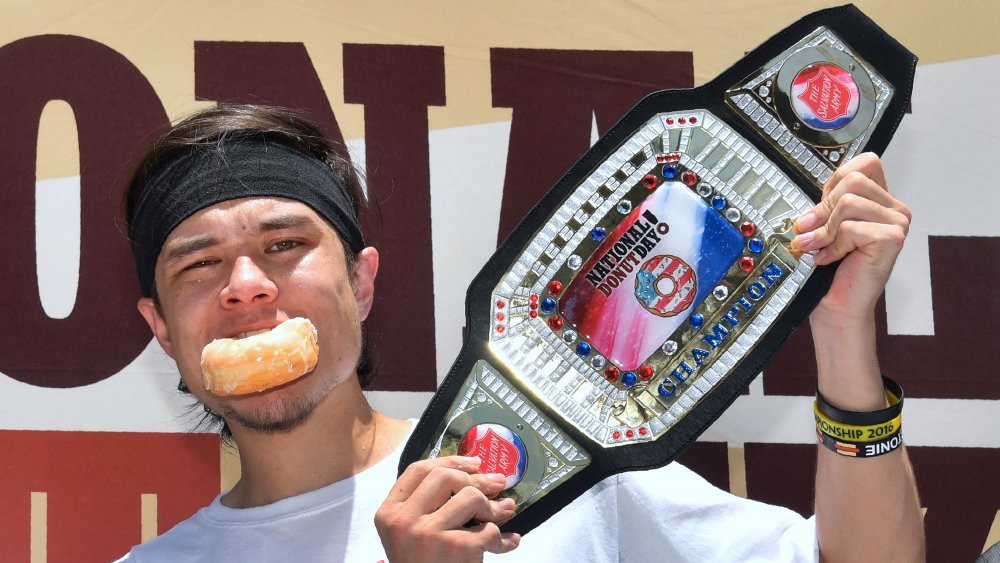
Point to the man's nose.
(248, 283)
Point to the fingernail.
(803, 241)
(508, 504)
(806, 223)
(510, 541)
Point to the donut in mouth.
(255, 361)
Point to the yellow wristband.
(849, 432)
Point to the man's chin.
(277, 410)
(269, 414)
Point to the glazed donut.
(237, 366)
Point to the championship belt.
(653, 282)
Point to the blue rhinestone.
(629, 379)
(669, 171)
(548, 305)
(666, 391)
(583, 349)
(719, 202)
(598, 234)
(755, 245)
(697, 320)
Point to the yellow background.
(158, 38)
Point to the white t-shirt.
(667, 515)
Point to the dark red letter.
(396, 83)
(115, 108)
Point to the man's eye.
(284, 245)
(200, 264)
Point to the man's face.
(249, 264)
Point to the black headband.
(233, 169)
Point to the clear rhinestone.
(764, 91)
(624, 206)
(733, 214)
(481, 397)
(704, 190)
(834, 156)
(720, 292)
(569, 336)
(669, 347)
(575, 262)
(598, 362)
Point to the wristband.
(841, 431)
(861, 449)
(893, 392)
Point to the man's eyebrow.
(189, 246)
(285, 221)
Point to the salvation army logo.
(825, 96)
(666, 285)
(501, 450)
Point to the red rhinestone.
(689, 178)
(500, 316)
(649, 180)
(629, 433)
(500, 328)
(533, 314)
(500, 304)
(645, 372)
(693, 120)
(612, 373)
(533, 306)
(534, 297)
(555, 287)
(746, 263)
(748, 229)
(555, 323)
(616, 434)
(643, 431)
(676, 157)
(661, 158)
(670, 121)
(681, 120)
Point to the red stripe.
(847, 447)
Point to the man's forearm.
(866, 508)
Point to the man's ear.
(363, 279)
(149, 311)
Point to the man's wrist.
(827, 319)
(847, 361)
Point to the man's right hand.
(424, 517)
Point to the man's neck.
(343, 437)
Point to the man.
(241, 217)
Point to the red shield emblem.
(498, 455)
(828, 98)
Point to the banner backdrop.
(463, 115)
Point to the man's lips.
(245, 330)
(251, 333)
